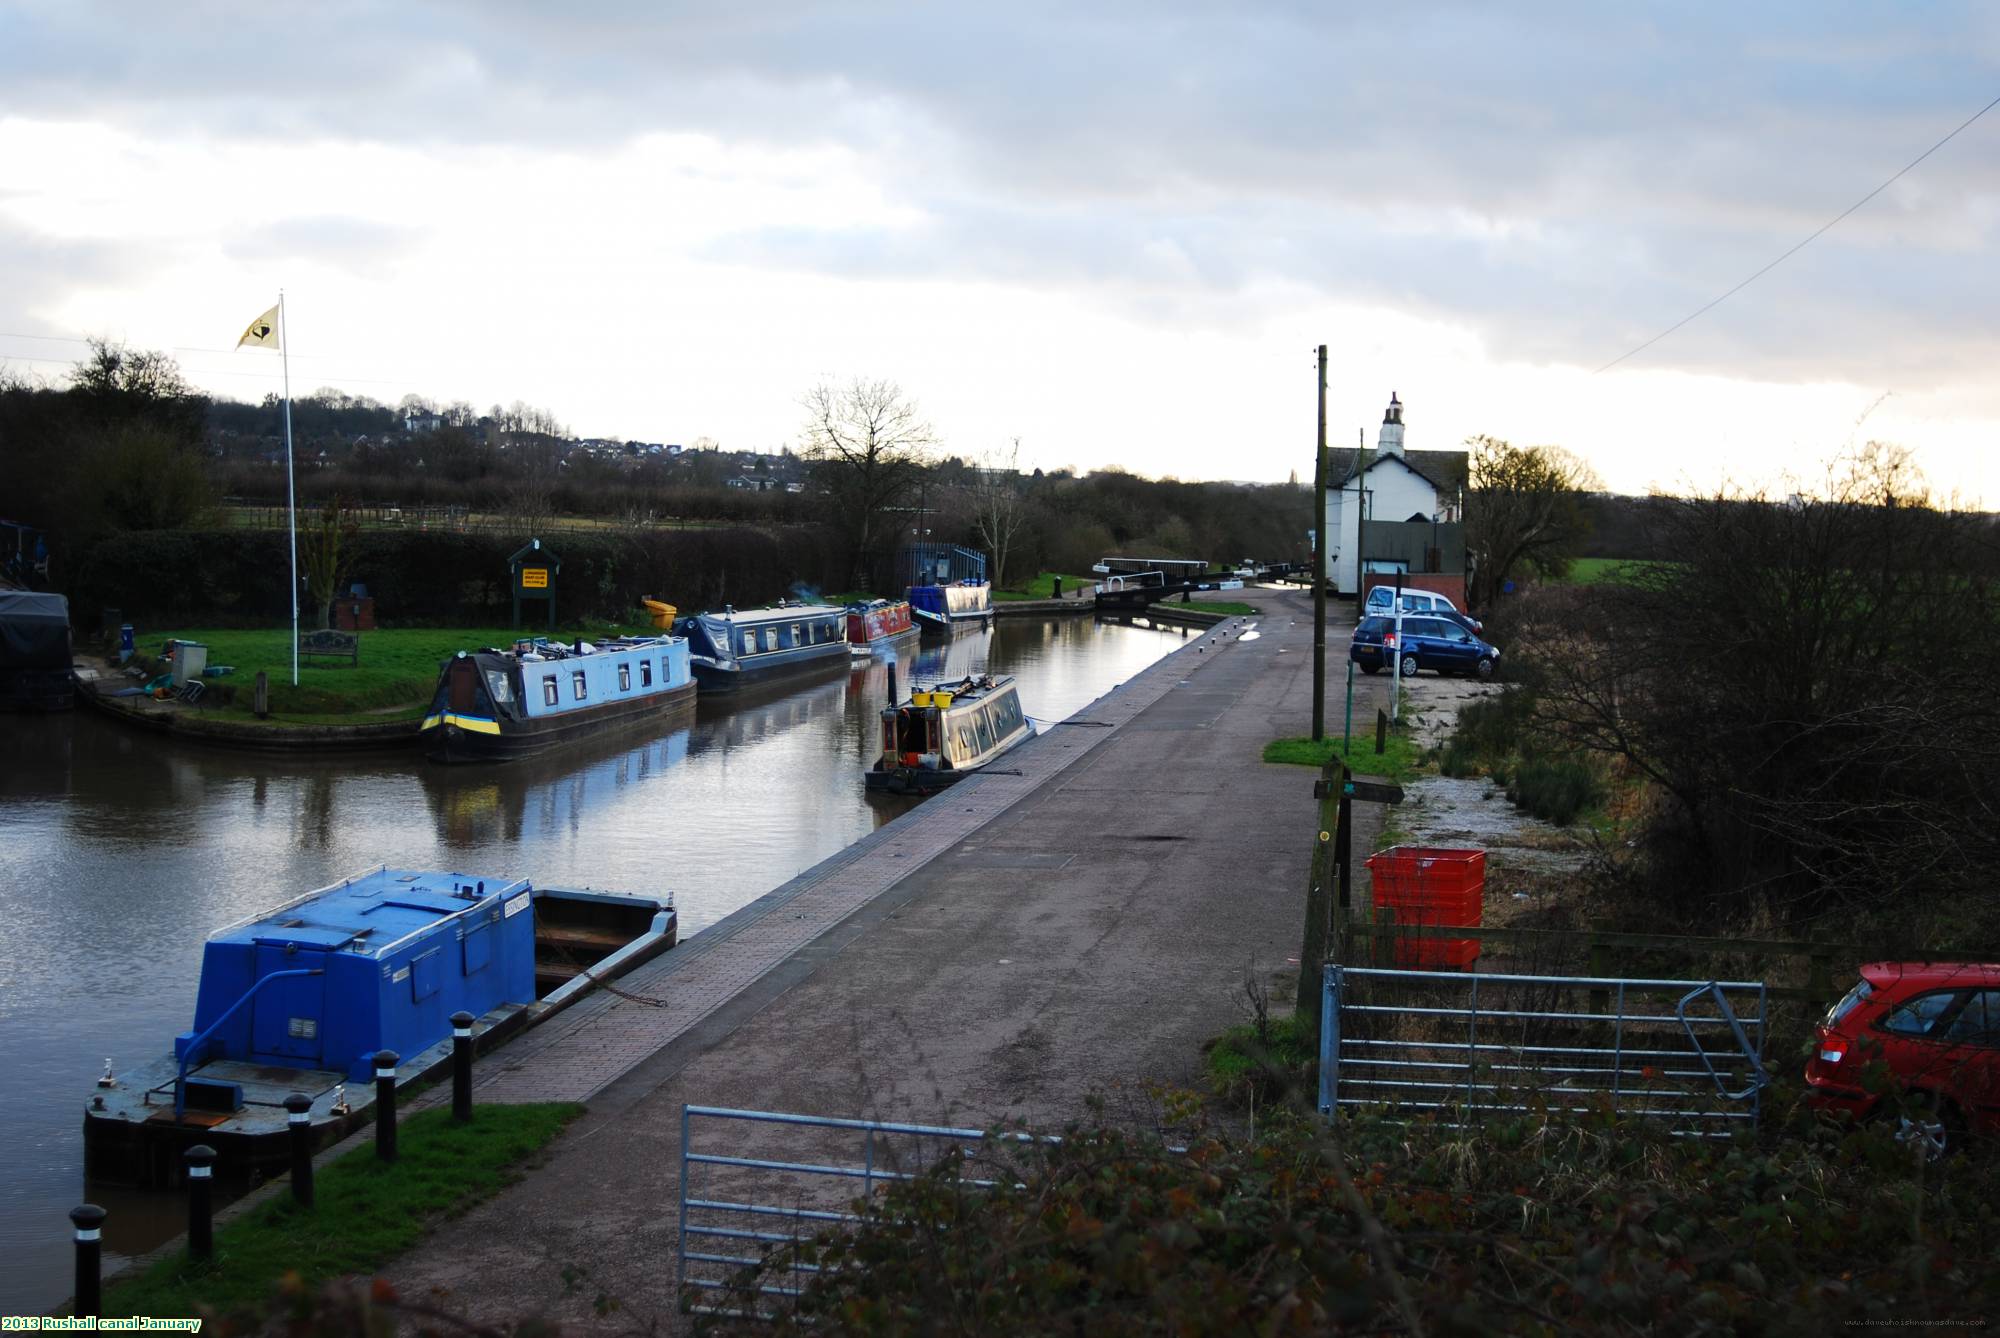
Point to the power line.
(1801, 245)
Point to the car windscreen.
(1374, 626)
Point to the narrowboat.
(303, 998)
(947, 610)
(739, 648)
(492, 705)
(34, 652)
(878, 625)
(951, 731)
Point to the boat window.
(549, 690)
(798, 634)
(666, 674)
(625, 678)
(645, 673)
(982, 725)
(496, 683)
(770, 638)
(576, 687)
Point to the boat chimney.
(892, 684)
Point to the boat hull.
(737, 675)
(862, 650)
(447, 742)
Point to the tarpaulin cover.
(34, 630)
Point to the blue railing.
(193, 1047)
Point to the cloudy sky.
(1115, 231)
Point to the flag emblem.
(263, 332)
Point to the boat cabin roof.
(967, 691)
(776, 613)
(369, 911)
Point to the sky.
(1115, 232)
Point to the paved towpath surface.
(1013, 948)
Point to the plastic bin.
(1430, 885)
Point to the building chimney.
(1390, 441)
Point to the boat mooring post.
(892, 684)
(461, 1066)
(88, 1219)
(385, 1104)
(298, 1123)
(201, 1201)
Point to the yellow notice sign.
(534, 578)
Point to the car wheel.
(1409, 666)
(1930, 1123)
(1485, 667)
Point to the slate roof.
(1444, 470)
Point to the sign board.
(1371, 792)
(534, 578)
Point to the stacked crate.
(1430, 885)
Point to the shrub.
(1555, 789)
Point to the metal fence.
(785, 1180)
(1457, 1046)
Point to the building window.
(549, 690)
(576, 687)
(645, 673)
(624, 678)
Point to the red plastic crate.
(1431, 885)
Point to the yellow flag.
(263, 332)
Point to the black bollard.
(89, 1220)
(385, 1104)
(298, 1122)
(461, 1067)
(201, 1201)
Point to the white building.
(1388, 483)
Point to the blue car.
(1429, 642)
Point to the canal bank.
(1009, 951)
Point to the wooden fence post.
(1313, 945)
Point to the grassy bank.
(1398, 761)
(366, 1213)
(1043, 587)
(393, 679)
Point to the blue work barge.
(302, 998)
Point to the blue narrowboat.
(303, 998)
(947, 610)
(740, 647)
(492, 705)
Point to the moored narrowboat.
(303, 998)
(947, 610)
(738, 648)
(877, 625)
(948, 732)
(492, 705)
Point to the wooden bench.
(337, 645)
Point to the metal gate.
(1456, 1046)
(761, 1180)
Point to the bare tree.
(998, 507)
(869, 445)
(326, 545)
(1524, 512)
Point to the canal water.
(120, 851)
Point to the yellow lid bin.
(662, 615)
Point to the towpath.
(1010, 950)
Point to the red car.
(1935, 1027)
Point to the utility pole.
(1319, 563)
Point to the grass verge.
(393, 679)
(1398, 761)
(366, 1213)
(1043, 587)
(1240, 1058)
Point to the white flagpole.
(291, 489)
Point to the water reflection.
(120, 851)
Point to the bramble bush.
(1523, 1225)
